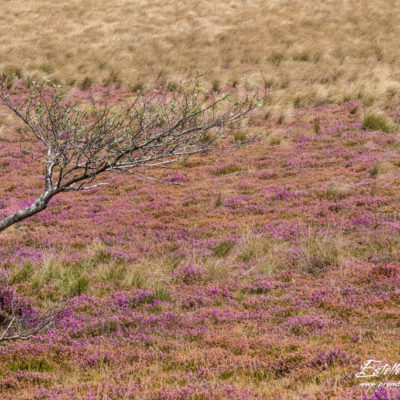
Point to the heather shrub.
(326, 359)
(260, 286)
(176, 178)
(11, 304)
(385, 270)
(134, 299)
(101, 327)
(305, 324)
(237, 202)
(266, 174)
(211, 391)
(189, 274)
(286, 364)
(381, 249)
(382, 394)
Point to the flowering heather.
(176, 178)
(10, 304)
(332, 357)
(189, 274)
(382, 394)
(270, 273)
(305, 324)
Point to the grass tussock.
(266, 255)
(336, 191)
(316, 253)
(381, 168)
(379, 122)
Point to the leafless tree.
(80, 140)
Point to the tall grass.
(294, 49)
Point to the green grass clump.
(239, 136)
(320, 252)
(374, 170)
(226, 169)
(218, 202)
(21, 274)
(223, 249)
(161, 291)
(378, 122)
(56, 279)
(32, 365)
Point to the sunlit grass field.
(307, 52)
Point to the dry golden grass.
(310, 52)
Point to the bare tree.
(80, 140)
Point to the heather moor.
(199, 200)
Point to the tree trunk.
(38, 205)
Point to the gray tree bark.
(38, 205)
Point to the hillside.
(271, 271)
